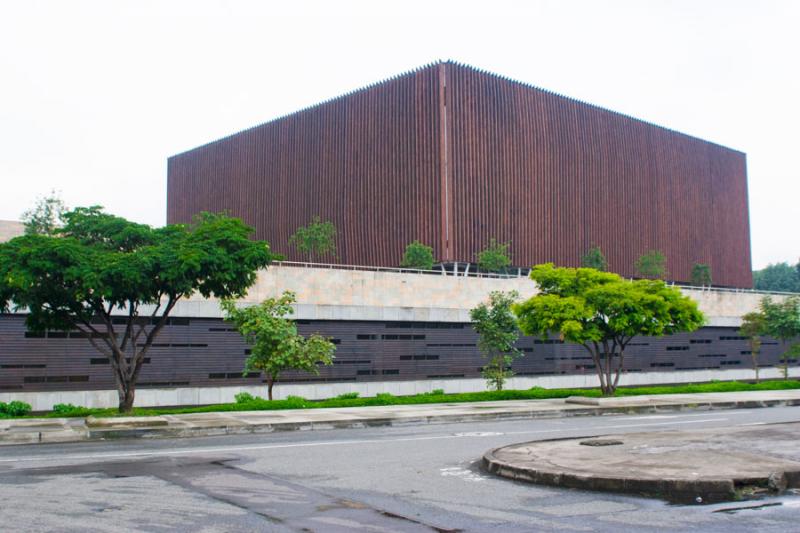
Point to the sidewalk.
(44, 430)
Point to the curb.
(112, 428)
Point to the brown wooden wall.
(454, 156)
(363, 161)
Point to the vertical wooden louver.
(453, 156)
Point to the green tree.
(418, 255)
(315, 240)
(777, 277)
(46, 216)
(603, 312)
(116, 282)
(652, 265)
(701, 275)
(495, 257)
(275, 344)
(595, 259)
(498, 330)
(782, 322)
(753, 328)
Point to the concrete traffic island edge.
(677, 466)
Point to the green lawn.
(294, 402)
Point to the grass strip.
(536, 393)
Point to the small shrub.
(437, 392)
(245, 397)
(418, 255)
(15, 408)
(495, 257)
(347, 396)
(64, 408)
(296, 402)
(384, 397)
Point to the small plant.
(495, 257)
(65, 408)
(384, 397)
(418, 255)
(347, 396)
(315, 240)
(246, 397)
(437, 392)
(595, 259)
(701, 275)
(46, 216)
(497, 327)
(296, 402)
(276, 346)
(652, 265)
(14, 408)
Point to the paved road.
(415, 478)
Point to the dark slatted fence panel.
(201, 352)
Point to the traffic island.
(706, 466)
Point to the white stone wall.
(332, 294)
(44, 401)
(10, 229)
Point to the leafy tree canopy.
(99, 264)
(46, 216)
(595, 259)
(495, 257)
(781, 320)
(652, 265)
(498, 330)
(701, 275)
(603, 312)
(777, 277)
(275, 344)
(315, 240)
(418, 255)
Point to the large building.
(454, 157)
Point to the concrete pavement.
(427, 473)
(43, 430)
(700, 466)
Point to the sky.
(95, 96)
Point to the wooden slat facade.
(454, 157)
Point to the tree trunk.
(270, 383)
(785, 362)
(127, 394)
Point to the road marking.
(226, 449)
(461, 473)
(671, 423)
(248, 447)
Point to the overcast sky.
(94, 96)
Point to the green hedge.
(247, 402)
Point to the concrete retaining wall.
(44, 401)
(331, 294)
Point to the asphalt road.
(414, 478)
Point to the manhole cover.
(601, 442)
